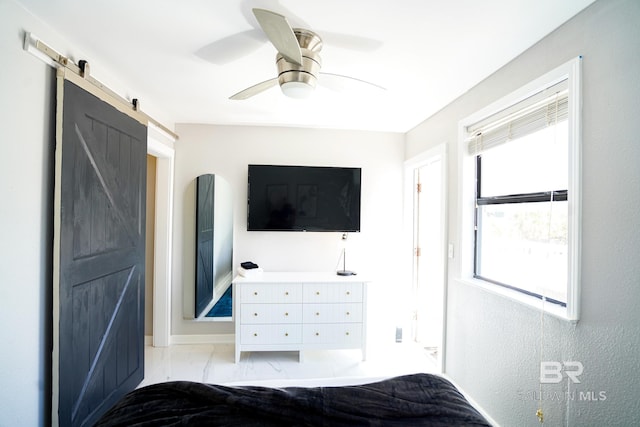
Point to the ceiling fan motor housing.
(307, 73)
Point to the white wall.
(493, 344)
(27, 112)
(26, 185)
(227, 150)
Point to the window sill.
(532, 302)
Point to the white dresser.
(299, 311)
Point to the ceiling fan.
(298, 59)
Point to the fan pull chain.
(540, 412)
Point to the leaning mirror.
(214, 248)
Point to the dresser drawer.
(270, 334)
(332, 292)
(339, 335)
(332, 313)
(271, 293)
(270, 313)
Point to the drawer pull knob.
(318, 293)
(286, 293)
(317, 313)
(286, 334)
(347, 333)
(286, 314)
(255, 293)
(348, 314)
(255, 314)
(348, 293)
(255, 334)
(317, 334)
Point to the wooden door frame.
(163, 232)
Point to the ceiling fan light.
(297, 90)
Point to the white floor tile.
(214, 363)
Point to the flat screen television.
(303, 198)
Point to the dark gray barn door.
(205, 185)
(98, 256)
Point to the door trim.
(163, 233)
(410, 165)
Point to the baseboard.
(203, 339)
(195, 339)
(473, 402)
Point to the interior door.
(204, 242)
(99, 248)
(429, 267)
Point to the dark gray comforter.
(411, 400)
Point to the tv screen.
(303, 198)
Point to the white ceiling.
(191, 55)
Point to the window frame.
(469, 190)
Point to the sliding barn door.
(98, 256)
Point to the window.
(521, 184)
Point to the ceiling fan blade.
(254, 90)
(280, 33)
(336, 82)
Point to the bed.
(409, 400)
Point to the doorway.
(426, 177)
(160, 146)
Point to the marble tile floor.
(214, 363)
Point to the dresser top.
(298, 277)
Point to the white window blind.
(530, 115)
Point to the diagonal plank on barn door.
(106, 176)
(99, 256)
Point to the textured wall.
(27, 108)
(493, 343)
